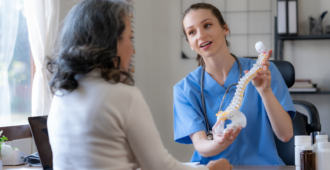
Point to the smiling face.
(204, 33)
(125, 47)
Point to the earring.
(192, 49)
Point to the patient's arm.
(145, 141)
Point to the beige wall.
(159, 66)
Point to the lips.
(205, 45)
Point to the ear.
(226, 29)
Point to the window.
(15, 64)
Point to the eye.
(191, 32)
(207, 25)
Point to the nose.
(201, 34)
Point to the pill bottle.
(299, 142)
(307, 158)
(322, 156)
(319, 138)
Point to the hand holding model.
(262, 81)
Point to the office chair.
(300, 123)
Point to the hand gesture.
(262, 80)
(227, 138)
(221, 164)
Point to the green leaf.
(5, 138)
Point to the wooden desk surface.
(235, 167)
(22, 167)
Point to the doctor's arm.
(280, 120)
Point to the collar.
(211, 85)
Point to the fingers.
(216, 124)
(226, 164)
(222, 164)
(270, 52)
(235, 134)
(264, 72)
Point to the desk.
(22, 167)
(235, 167)
(256, 167)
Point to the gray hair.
(88, 40)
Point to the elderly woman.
(98, 119)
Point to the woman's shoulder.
(192, 78)
(247, 62)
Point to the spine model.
(232, 111)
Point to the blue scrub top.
(255, 144)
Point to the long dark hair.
(215, 11)
(88, 40)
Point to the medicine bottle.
(299, 142)
(323, 156)
(307, 158)
(319, 138)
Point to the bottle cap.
(302, 138)
(324, 137)
(324, 145)
(307, 148)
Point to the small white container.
(323, 156)
(299, 142)
(319, 138)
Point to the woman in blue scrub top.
(267, 104)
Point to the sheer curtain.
(8, 33)
(42, 20)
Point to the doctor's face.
(125, 47)
(204, 33)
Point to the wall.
(159, 66)
(310, 58)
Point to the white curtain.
(8, 33)
(42, 18)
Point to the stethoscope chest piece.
(209, 135)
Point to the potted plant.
(5, 150)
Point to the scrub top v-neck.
(255, 144)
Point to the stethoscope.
(209, 133)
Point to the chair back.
(287, 71)
(300, 122)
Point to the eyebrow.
(201, 22)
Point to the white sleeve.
(145, 141)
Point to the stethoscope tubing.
(209, 131)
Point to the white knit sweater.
(106, 126)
